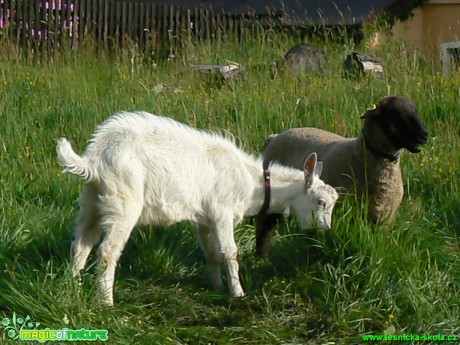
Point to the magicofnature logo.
(23, 328)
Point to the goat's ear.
(371, 112)
(309, 168)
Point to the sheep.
(144, 169)
(366, 165)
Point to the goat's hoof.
(106, 303)
(105, 300)
(238, 293)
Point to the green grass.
(357, 279)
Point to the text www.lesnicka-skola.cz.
(411, 337)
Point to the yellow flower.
(391, 316)
(27, 148)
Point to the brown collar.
(266, 204)
(369, 146)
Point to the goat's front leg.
(209, 244)
(228, 249)
(232, 271)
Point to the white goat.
(144, 169)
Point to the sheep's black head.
(398, 119)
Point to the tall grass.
(357, 279)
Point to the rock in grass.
(357, 65)
(230, 70)
(303, 59)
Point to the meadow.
(357, 279)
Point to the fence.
(45, 25)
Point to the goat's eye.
(322, 203)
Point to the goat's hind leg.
(118, 221)
(87, 229)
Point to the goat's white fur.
(144, 169)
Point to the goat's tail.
(73, 163)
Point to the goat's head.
(314, 206)
(397, 119)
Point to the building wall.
(433, 23)
(411, 31)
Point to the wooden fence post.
(44, 26)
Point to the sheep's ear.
(319, 168)
(270, 139)
(309, 168)
(371, 112)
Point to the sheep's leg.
(228, 249)
(87, 230)
(265, 227)
(210, 245)
(118, 225)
